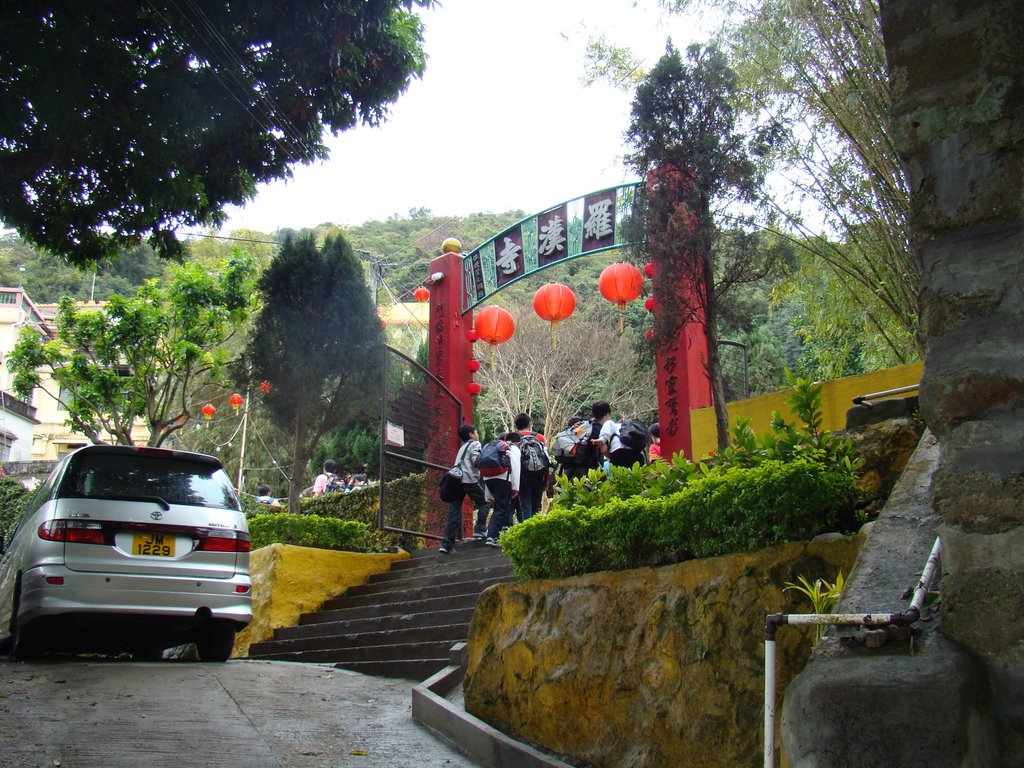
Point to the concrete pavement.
(114, 713)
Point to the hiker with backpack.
(572, 449)
(499, 464)
(534, 470)
(623, 443)
(465, 460)
(327, 481)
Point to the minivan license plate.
(159, 544)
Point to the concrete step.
(401, 593)
(439, 576)
(400, 624)
(448, 633)
(321, 627)
(435, 649)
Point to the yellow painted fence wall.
(836, 398)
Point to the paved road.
(100, 713)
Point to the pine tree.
(317, 343)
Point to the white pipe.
(773, 621)
(921, 590)
(769, 703)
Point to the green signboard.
(579, 227)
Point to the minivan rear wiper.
(118, 497)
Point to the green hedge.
(310, 531)
(13, 496)
(407, 510)
(360, 506)
(725, 510)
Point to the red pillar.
(449, 350)
(682, 378)
(683, 385)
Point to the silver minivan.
(128, 549)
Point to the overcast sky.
(499, 121)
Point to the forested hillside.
(768, 322)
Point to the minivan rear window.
(127, 475)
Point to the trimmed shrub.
(310, 531)
(720, 512)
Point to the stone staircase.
(401, 623)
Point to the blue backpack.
(493, 459)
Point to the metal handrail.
(863, 399)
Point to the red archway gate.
(584, 226)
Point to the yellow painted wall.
(288, 581)
(836, 398)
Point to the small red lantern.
(554, 302)
(208, 411)
(650, 334)
(472, 335)
(421, 294)
(473, 388)
(495, 326)
(473, 364)
(649, 269)
(236, 401)
(265, 387)
(649, 304)
(620, 283)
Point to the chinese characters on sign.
(577, 228)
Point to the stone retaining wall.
(644, 668)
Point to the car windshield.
(174, 480)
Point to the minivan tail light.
(224, 541)
(73, 531)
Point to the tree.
(139, 358)
(125, 122)
(318, 344)
(817, 70)
(551, 385)
(683, 131)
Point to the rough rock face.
(288, 581)
(958, 123)
(649, 667)
(884, 449)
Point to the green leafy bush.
(724, 510)
(310, 531)
(13, 496)
(407, 509)
(786, 442)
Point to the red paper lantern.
(495, 325)
(265, 386)
(472, 364)
(421, 294)
(554, 302)
(472, 335)
(473, 388)
(650, 334)
(236, 401)
(208, 411)
(649, 269)
(649, 303)
(620, 283)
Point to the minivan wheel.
(215, 641)
(24, 642)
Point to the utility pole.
(241, 452)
